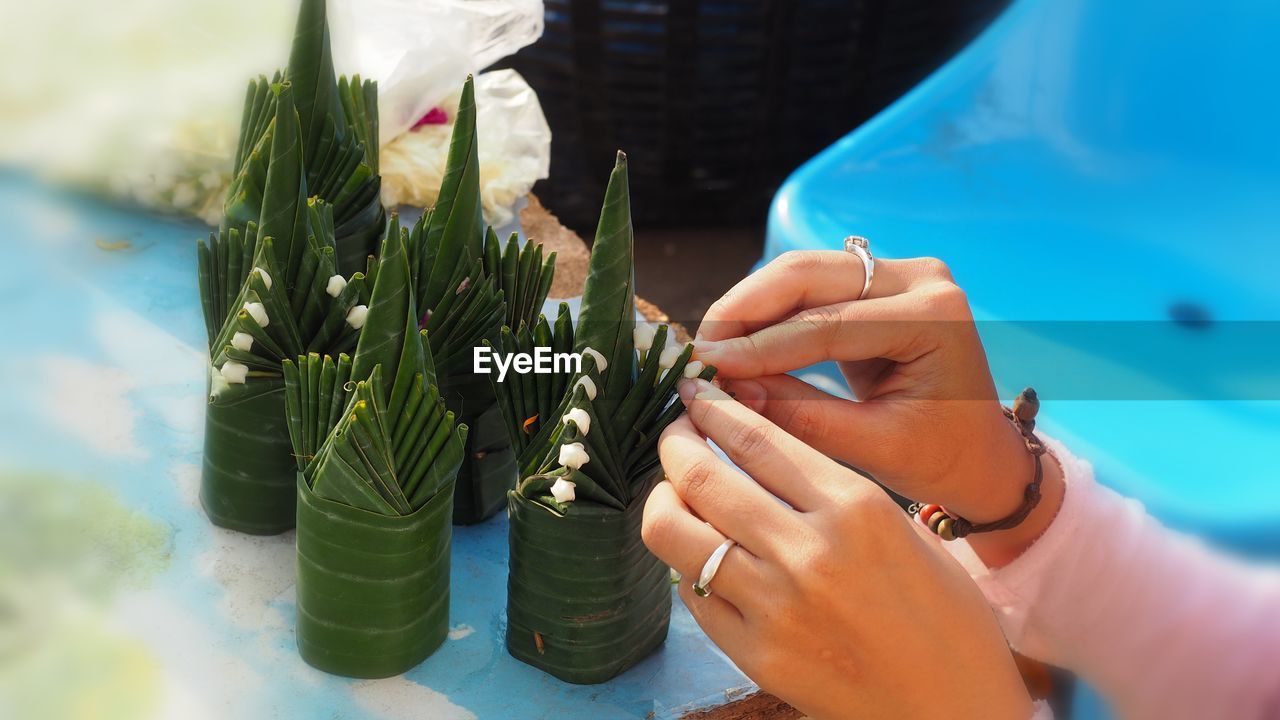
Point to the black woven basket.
(716, 101)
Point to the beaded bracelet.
(949, 526)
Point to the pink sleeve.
(1160, 625)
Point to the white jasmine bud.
(573, 455)
(356, 316)
(693, 369)
(669, 356)
(234, 373)
(336, 285)
(266, 279)
(242, 341)
(257, 312)
(601, 363)
(589, 385)
(578, 417)
(643, 336)
(562, 491)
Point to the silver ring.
(702, 587)
(861, 247)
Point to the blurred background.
(717, 101)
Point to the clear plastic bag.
(515, 149)
(420, 52)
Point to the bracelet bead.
(950, 527)
(928, 511)
(944, 528)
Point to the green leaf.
(382, 340)
(586, 600)
(284, 209)
(455, 229)
(607, 319)
(311, 71)
(373, 589)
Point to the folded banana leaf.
(377, 456)
(467, 285)
(339, 142)
(585, 599)
(246, 453)
(270, 291)
(373, 589)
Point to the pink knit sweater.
(1160, 625)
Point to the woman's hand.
(834, 601)
(928, 423)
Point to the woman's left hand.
(835, 601)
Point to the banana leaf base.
(585, 599)
(373, 590)
(247, 482)
(489, 468)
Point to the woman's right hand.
(927, 424)
(835, 601)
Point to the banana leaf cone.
(246, 454)
(585, 599)
(377, 456)
(270, 291)
(467, 287)
(338, 135)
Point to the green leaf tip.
(607, 320)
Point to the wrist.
(999, 548)
(1001, 475)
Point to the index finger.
(797, 280)
(733, 503)
(779, 462)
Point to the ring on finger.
(702, 588)
(861, 247)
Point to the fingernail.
(687, 389)
(703, 348)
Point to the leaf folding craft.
(270, 291)
(467, 285)
(377, 456)
(338, 133)
(586, 600)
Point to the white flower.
(242, 341)
(601, 363)
(669, 356)
(693, 369)
(578, 417)
(357, 315)
(562, 491)
(234, 372)
(336, 285)
(258, 313)
(573, 455)
(266, 279)
(643, 336)
(589, 385)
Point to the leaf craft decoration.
(338, 137)
(377, 454)
(586, 600)
(468, 284)
(269, 290)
